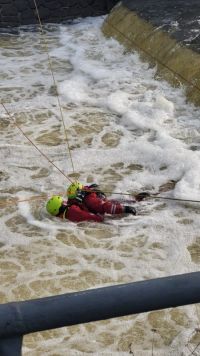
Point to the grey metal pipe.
(25, 317)
(11, 346)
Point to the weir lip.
(160, 42)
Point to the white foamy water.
(128, 133)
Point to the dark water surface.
(181, 18)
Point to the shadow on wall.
(176, 62)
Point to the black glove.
(141, 196)
(130, 210)
(80, 196)
(99, 193)
(94, 185)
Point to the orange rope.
(33, 144)
(7, 202)
(10, 202)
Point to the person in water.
(87, 203)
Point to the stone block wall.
(22, 12)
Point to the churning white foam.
(127, 132)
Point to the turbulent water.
(127, 132)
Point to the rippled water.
(129, 133)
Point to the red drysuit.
(91, 207)
(77, 214)
(102, 206)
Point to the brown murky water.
(126, 132)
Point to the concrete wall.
(153, 28)
(22, 12)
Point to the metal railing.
(20, 318)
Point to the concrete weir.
(166, 33)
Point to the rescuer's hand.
(93, 186)
(142, 196)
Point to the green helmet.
(73, 188)
(53, 205)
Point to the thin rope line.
(157, 197)
(32, 143)
(154, 58)
(196, 347)
(40, 197)
(55, 84)
(8, 201)
(176, 199)
(16, 201)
